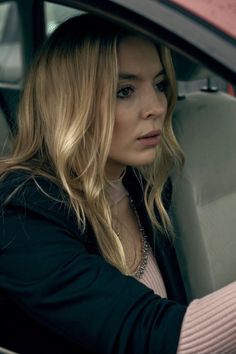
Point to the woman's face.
(141, 106)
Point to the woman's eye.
(124, 92)
(162, 86)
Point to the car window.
(10, 43)
(56, 14)
(193, 77)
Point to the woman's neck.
(114, 170)
(116, 189)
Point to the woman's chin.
(144, 161)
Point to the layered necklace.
(145, 245)
(117, 192)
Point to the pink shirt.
(209, 325)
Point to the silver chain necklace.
(145, 245)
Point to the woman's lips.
(150, 139)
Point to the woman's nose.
(154, 105)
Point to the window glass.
(10, 43)
(56, 14)
(192, 76)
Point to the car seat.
(203, 207)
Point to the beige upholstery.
(4, 134)
(204, 193)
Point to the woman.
(86, 262)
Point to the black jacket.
(58, 295)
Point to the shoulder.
(36, 194)
(21, 180)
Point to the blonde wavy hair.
(65, 126)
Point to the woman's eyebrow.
(130, 76)
(162, 72)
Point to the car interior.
(204, 191)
